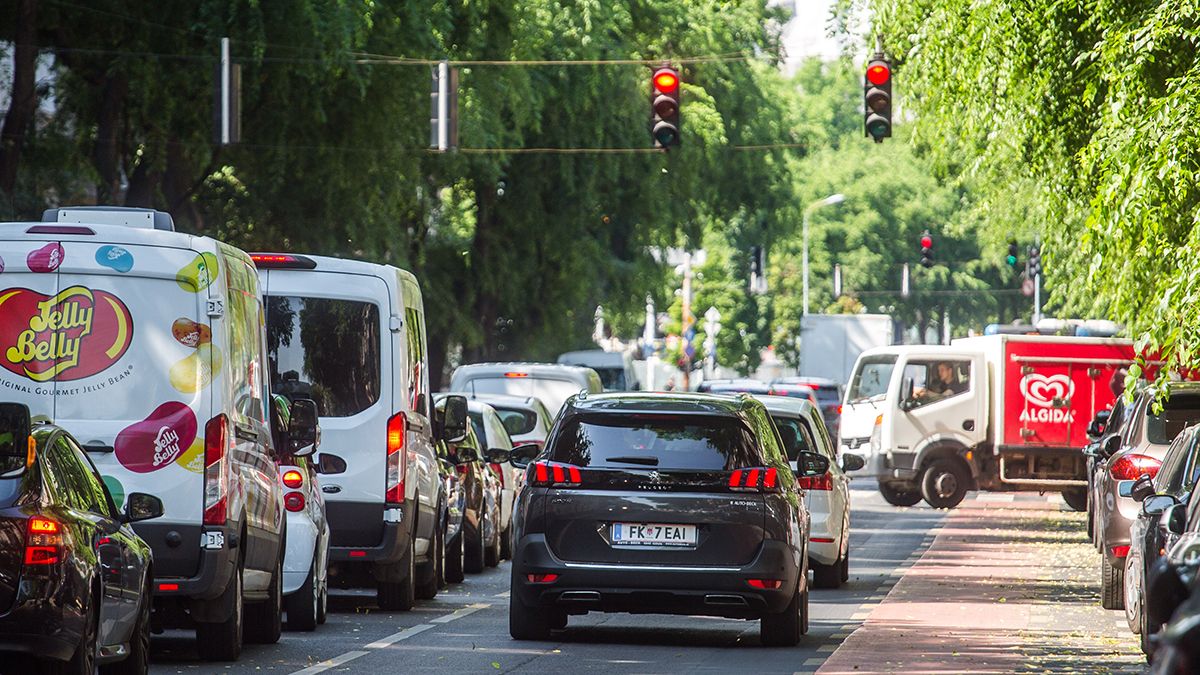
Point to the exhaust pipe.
(579, 596)
(725, 600)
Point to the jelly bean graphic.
(46, 258)
(198, 274)
(196, 371)
(158, 440)
(190, 333)
(116, 490)
(115, 257)
(192, 459)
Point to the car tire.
(223, 641)
(1091, 520)
(473, 548)
(785, 628)
(138, 660)
(1112, 585)
(491, 554)
(826, 576)
(323, 607)
(506, 543)
(944, 483)
(428, 580)
(264, 620)
(1076, 498)
(399, 596)
(83, 661)
(845, 567)
(304, 606)
(454, 559)
(1130, 598)
(897, 496)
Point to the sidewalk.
(1006, 587)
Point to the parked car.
(614, 368)
(455, 498)
(525, 417)
(351, 336)
(1138, 450)
(1173, 594)
(75, 584)
(828, 394)
(489, 428)
(662, 503)
(552, 383)
(165, 391)
(828, 495)
(1105, 422)
(479, 540)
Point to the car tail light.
(217, 440)
(499, 472)
(821, 540)
(397, 427)
(514, 374)
(168, 587)
(1131, 467)
(547, 474)
(1120, 551)
(542, 578)
(43, 541)
(757, 479)
(765, 584)
(293, 479)
(294, 501)
(822, 482)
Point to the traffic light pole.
(1037, 298)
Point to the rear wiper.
(646, 460)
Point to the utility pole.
(648, 344)
(688, 321)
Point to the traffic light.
(926, 250)
(1011, 258)
(664, 107)
(877, 99)
(1033, 265)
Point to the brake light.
(1131, 467)
(757, 479)
(547, 474)
(59, 229)
(43, 541)
(168, 587)
(294, 502)
(397, 427)
(542, 578)
(293, 479)
(217, 440)
(1120, 551)
(822, 482)
(282, 260)
(516, 374)
(765, 584)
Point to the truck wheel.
(945, 483)
(896, 495)
(1076, 498)
(223, 641)
(264, 620)
(399, 595)
(1112, 585)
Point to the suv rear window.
(326, 350)
(698, 443)
(1178, 412)
(516, 421)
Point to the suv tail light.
(1131, 467)
(217, 440)
(43, 541)
(757, 479)
(822, 482)
(547, 474)
(397, 465)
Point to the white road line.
(402, 635)
(816, 661)
(460, 613)
(331, 663)
(505, 594)
(827, 649)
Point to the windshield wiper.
(646, 460)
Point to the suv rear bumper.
(397, 535)
(651, 589)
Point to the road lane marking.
(816, 661)
(505, 594)
(331, 663)
(827, 649)
(460, 613)
(402, 635)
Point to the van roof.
(328, 264)
(100, 233)
(533, 369)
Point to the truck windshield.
(871, 378)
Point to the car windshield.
(871, 378)
(517, 421)
(697, 443)
(1178, 412)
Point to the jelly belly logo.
(75, 334)
(1043, 392)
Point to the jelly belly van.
(147, 345)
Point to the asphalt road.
(465, 629)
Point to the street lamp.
(831, 200)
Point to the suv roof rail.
(129, 216)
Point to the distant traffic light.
(877, 99)
(1033, 265)
(1011, 258)
(664, 107)
(926, 250)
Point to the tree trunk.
(487, 304)
(106, 152)
(17, 122)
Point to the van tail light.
(499, 472)
(397, 428)
(294, 502)
(217, 442)
(43, 541)
(822, 482)
(757, 479)
(551, 474)
(293, 479)
(1131, 467)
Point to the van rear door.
(28, 296)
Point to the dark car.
(477, 543)
(74, 577)
(827, 392)
(662, 503)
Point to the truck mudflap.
(1042, 468)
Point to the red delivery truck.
(997, 412)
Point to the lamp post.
(831, 200)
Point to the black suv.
(661, 503)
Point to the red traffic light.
(666, 80)
(926, 241)
(878, 73)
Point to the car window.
(100, 496)
(793, 435)
(478, 427)
(816, 431)
(71, 479)
(937, 379)
(1170, 474)
(1178, 412)
(497, 435)
(688, 442)
(517, 421)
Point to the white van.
(615, 369)
(147, 345)
(351, 336)
(552, 383)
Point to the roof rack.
(148, 219)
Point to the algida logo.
(75, 334)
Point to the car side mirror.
(140, 506)
(1142, 488)
(330, 464)
(454, 418)
(304, 432)
(15, 426)
(1175, 518)
(810, 464)
(1111, 445)
(906, 394)
(465, 454)
(522, 455)
(852, 462)
(1154, 505)
(1099, 422)
(497, 455)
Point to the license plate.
(653, 534)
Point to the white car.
(551, 382)
(492, 435)
(828, 496)
(526, 418)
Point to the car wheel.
(785, 628)
(223, 641)
(83, 661)
(1091, 520)
(473, 547)
(1076, 498)
(138, 661)
(1112, 585)
(399, 595)
(264, 620)
(428, 580)
(491, 554)
(304, 606)
(454, 559)
(944, 483)
(1131, 595)
(826, 576)
(323, 607)
(506, 543)
(896, 495)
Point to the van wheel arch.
(947, 449)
